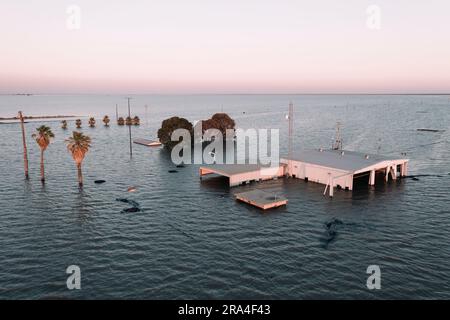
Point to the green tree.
(106, 121)
(129, 121)
(223, 121)
(170, 125)
(92, 122)
(43, 136)
(78, 145)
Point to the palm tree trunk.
(42, 166)
(25, 152)
(80, 175)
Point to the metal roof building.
(340, 168)
(333, 168)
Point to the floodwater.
(192, 240)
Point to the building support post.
(372, 178)
(331, 186)
(394, 172)
(386, 177)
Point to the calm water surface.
(192, 239)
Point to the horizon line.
(235, 94)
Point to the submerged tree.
(106, 121)
(120, 121)
(168, 126)
(128, 121)
(78, 123)
(92, 122)
(223, 122)
(43, 136)
(78, 145)
(136, 121)
(64, 124)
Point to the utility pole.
(25, 151)
(129, 127)
(291, 131)
(117, 112)
(146, 115)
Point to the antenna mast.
(337, 144)
(291, 131)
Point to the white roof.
(341, 159)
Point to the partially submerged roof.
(228, 170)
(148, 143)
(350, 161)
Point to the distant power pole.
(25, 151)
(117, 112)
(146, 116)
(291, 132)
(129, 127)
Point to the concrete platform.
(148, 143)
(261, 199)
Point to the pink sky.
(204, 46)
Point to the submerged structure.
(238, 174)
(341, 168)
(147, 143)
(333, 168)
(261, 199)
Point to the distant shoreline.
(237, 94)
(37, 117)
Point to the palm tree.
(42, 137)
(78, 123)
(64, 124)
(129, 121)
(78, 145)
(106, 121)
(120, 121)
(92, 122)
(136, 121)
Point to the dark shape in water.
(172, 171)
(430, 130)
(180, 166)
(99, 181)
(416, 177)
(125, 200)
(132, 209)
(330, 232)
(135, 206)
